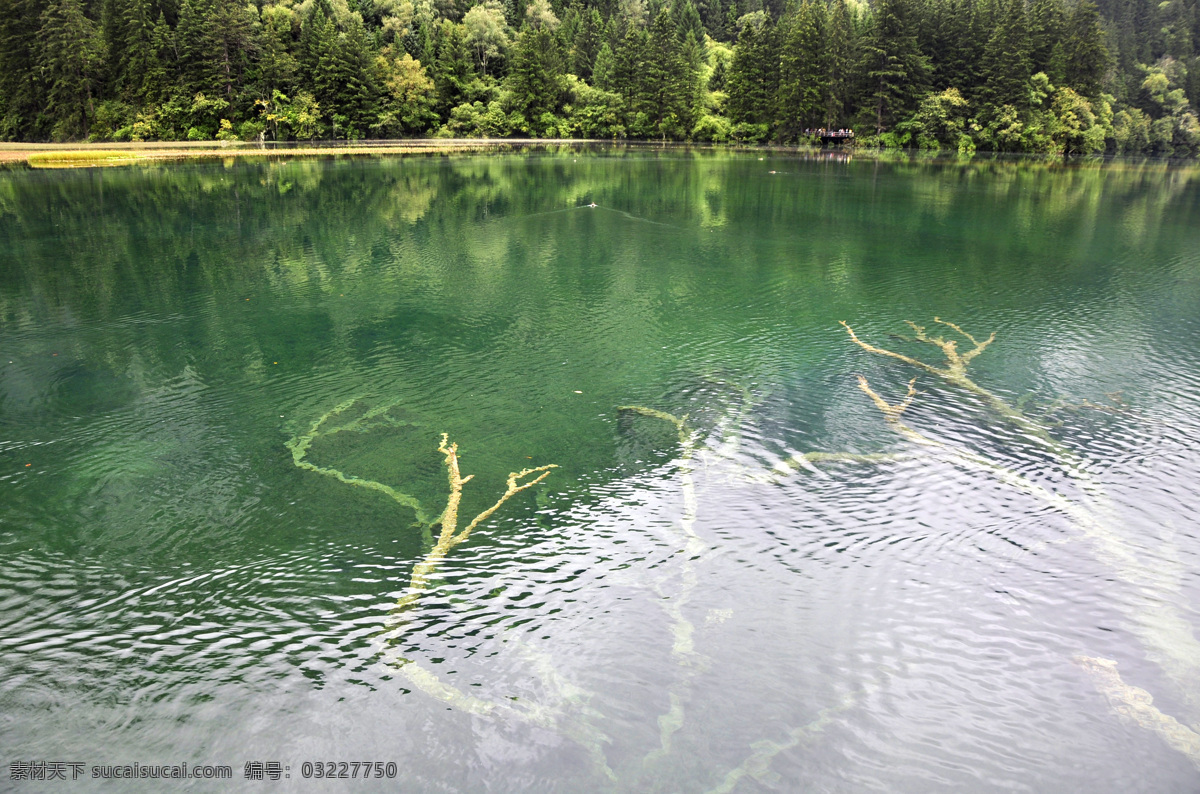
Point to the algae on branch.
(299, 446)
(449, 536)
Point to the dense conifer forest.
(1005, 75)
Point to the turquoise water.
(920, 610)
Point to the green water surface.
(654, 616)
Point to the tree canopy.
(1007, 75)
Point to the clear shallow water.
(653, 616)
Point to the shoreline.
(91, 155)
(108, 154)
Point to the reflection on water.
(744, 574)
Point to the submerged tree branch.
(1137, 706)
(449, 537)
(299, 447)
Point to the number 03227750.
(348, 770)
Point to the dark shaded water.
(934, 612)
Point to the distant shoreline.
(90, 155)
(95, 155)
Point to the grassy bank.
(100, 155)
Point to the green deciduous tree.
(487, 33)
(940, 121)
(407, 105)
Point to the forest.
(1043, 76)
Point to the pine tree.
(804, 73)
(1006, 65)
(896, 71)
(586, 44)
(1047, 20)
(317, 55)
(354, 74)
(112, 32)
(719, 77)
(821, 64)
(667, 81)
(949, 45)
(982, 21)
(71, 59)
(140, 76)
(712, 14)
(276, 66)
(233, 47)
(604, 69)
(686, 19)
(194, 38)
(754, 75)
(629, 62)
(317, 32)
(1085, 56)
(839, 63)
(21, 93)
(452, 70)
(536, 77)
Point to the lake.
(775, 552)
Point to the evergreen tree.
(354, 103)
(156, 85)
(141, 76)
(896, 71)
(667, 81)
(629, 63)
(536, 78)
(194, 38)
(712, 14)
(234, 46)
(21, 93)
(317, 53)
(1006, 63)
(452, 71)
(175, 67)
(754, 75)
(719, 76)
(1085, 58)
(216, 41)
(804, 73)
(71, 59)
(950, 46)
(839, 64)
(1047, 20)
(277, 66)
(686, 19)
(586, 44)
(112, 14)
(604, 69)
